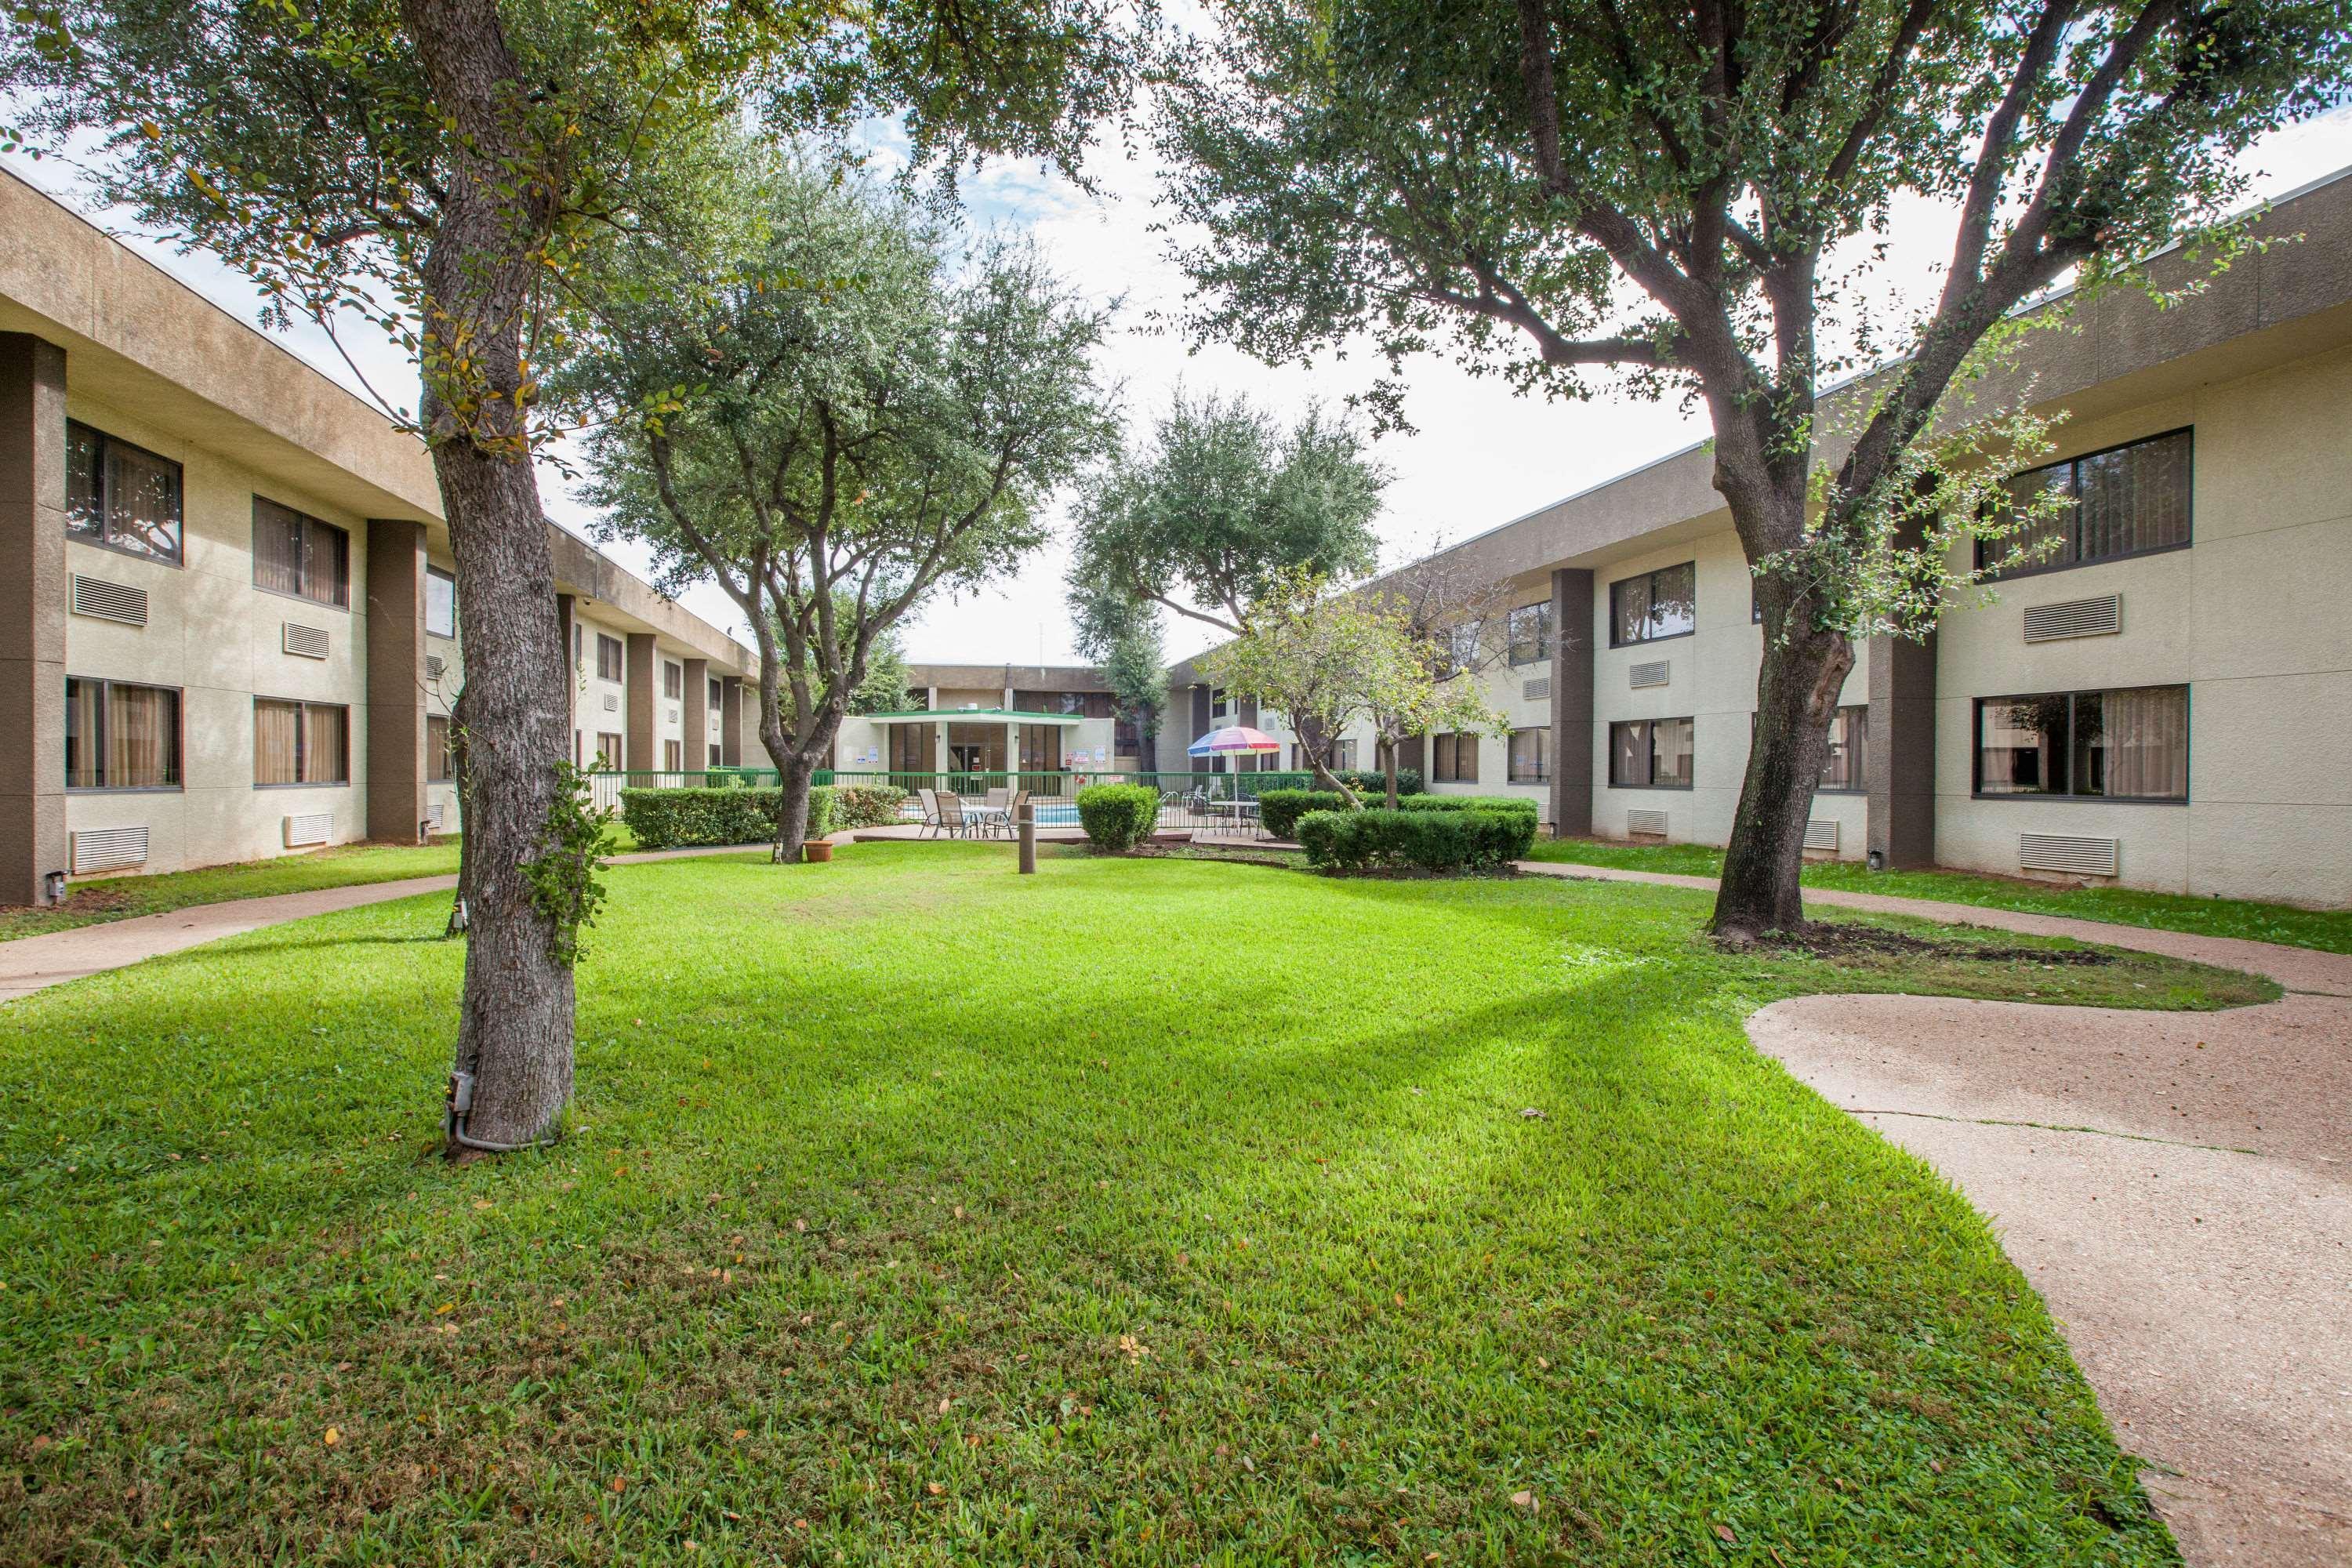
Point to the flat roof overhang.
(966, 715)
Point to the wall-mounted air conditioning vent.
(305, 642)
(612, 703)
(2099, 617)
(434, 667)
(311, 828)
(1646, 824)
(437, 813)
(2075, 857)
(108, 849)
(1536, 691)
(1821, 833)
(1658, 673)
(104, 601)
(673, 715)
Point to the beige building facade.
(228, 612)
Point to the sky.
(1479, 455)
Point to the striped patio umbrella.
(1234, 740)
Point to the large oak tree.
(1678, 189)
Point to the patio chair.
(952, 821)
(1012, 810)
(931, 825)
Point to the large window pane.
(2121, 501)
(326, 744)
(276, 742)
(142, 736)
(85, 482)
(1661, 604)
(121, 495)
(1842, 769)
(441, 610)
(277, 547)
(439, 764)
(1671, 751)
(2021, 745)
(85, 702)
(1529, 756)
(2139, 748)
(1530, 632)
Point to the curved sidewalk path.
(2177, 1185)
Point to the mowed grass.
(2330, 930)
(914, 1212)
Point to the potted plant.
(817, 851)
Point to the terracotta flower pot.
(817, 851)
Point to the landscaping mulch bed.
(1837, 940)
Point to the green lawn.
(914, 1212)
(2330, 930)
(122, 898)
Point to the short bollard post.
(1028, 826)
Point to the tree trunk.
(1796, 697)
(1389, 768)
(514, 1029)
(795, 775)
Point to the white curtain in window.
(276, 748)
(325, 755)
(2146, 739)
(142, 738)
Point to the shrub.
(1445, 840)
(1469, 803)
(1376, 782)
(1280, 809)
(1118, 816)
(675, 819)
(866, 806)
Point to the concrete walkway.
(2177, 1185)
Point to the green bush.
(1376, 782)
(1118, 816)
(1381, 840)
(866, 806)
(1280, 809)
(1469, 803)
(675, 819)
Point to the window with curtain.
(718, 755)
(1454, 758)
(1530, 756)
(440, 602)
(673, 681)
(2124, 501)
(1653, 606)
(121, 496)
(673, 755)
(1529, 629)
(2129, 744)
(440, 763)
(609, 654)
(1651, 753)
(608, 750)
(120, 736)
(715, 695)
(1343, 756)
(296, 554)
(1841, 769)
(301, 743)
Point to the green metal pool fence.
(1224, 802)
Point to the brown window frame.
(179, 732)
(1542, 773)
(303, 707)
(307, 531)
(1452, 744)
(2074, 559)
(1650, 578)
(1540, 645)
(2066, 749)
(101, 535)
(619, 662)
(1649, 750)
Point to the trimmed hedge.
(1384, 840)
(1376, 782)
(1280, 809)
(675, 819)
(1118, 816)
(866, 806)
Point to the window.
(301, 743)
(718, 755)
(1842, 771)
(575, 644)
(715, 698)
(440, 764)
(673, 755)
(121, 737)
(1529, 629)
(1343, 756)
(294, 552)
(2127, 744)
(440, 602)
(1650, 753)
(1462, 648)
(1126, 736)
(1454, 758)
(608, 658)
(673, 681)
(1653, 606)
(608, 750)
(2126, 501)
(1217, 704)
(121, 496)
(1530, 756)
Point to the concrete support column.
(644, 690)
(698, 714)
(396, 679)
(32, 617)
(1899, 755)
(1572, 739)
(731, 721)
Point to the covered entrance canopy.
(976, 740)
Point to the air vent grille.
(2075, 857)
(612, 703)
(673, 715)
(437, 814)
(108, 849)
(104, 601)
(305, 642)
(1646, 824)
(2098, 617)
(308, 830)
(434, 667)
(1658, 673)
(1536, 691)
(1822, 832)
